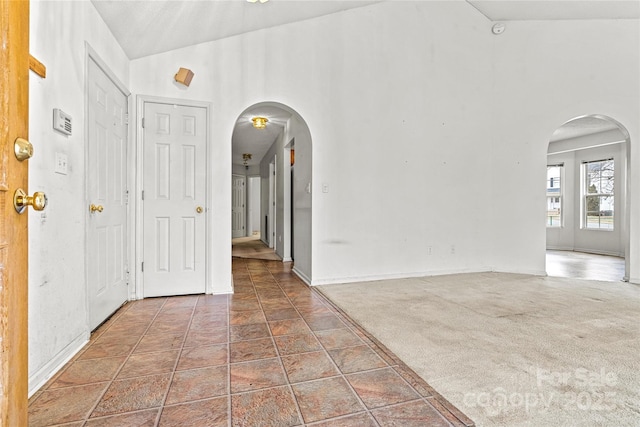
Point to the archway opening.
(587, 215)
(279, 157)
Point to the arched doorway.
(587, 213)
(279, 154)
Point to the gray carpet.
(512, 350)
(252, 247)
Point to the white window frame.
(559, 195)
(585, 194)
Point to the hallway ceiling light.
(259, 122)
(246, 157)
(254, 1)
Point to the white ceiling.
(247, 139)
(147, 27)
(529, 10)
(583, 126)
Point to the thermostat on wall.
(61, 121)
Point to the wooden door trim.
(14, 122)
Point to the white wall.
(274, 155)
(545, 74)
(429, 133)
(301, 250)
(571, 236)
(57, 284)
(395, 96)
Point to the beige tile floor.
(276, 353)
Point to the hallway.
(276, 353)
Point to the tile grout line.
(88, 416)
(401, 365)
(175, 364)
(275, 345)
(326, 353)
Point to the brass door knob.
(21, 200)
(23, 149)
(199, 209)
(95, 208)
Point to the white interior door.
(107, 193)
(238, 195)
(272, 204)
(174, 174)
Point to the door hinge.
(143, 122)
(126, 118)
(126, 197)
(142, 266)
(142, 194)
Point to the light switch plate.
(61, 164)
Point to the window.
(554, 195)
(598, 194)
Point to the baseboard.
(599, 252)
(301, 275)
(288, 259)
(394, 276)
(525, 272)
(44, 374)
(559, 248)
(586, 251)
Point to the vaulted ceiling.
(144, 28)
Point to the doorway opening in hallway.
(272, 210)
(587, 215)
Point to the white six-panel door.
(238, 196)
(174, 175)
(106, 191)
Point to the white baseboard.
(599, 252)
(559, 248)
(393, 276)
(526, 272)
(302, 276)
(45, 373)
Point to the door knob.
(199, 209)
(23, 149)
(93, 208)
(20, 200)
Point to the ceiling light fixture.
(255, 1)
(246, 157)
(259, 122)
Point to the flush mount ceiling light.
(255, 1)
(259, 122)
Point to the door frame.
(273, 197)
(135, 198)
(92, 55)
(245, 230)
(14, 242)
